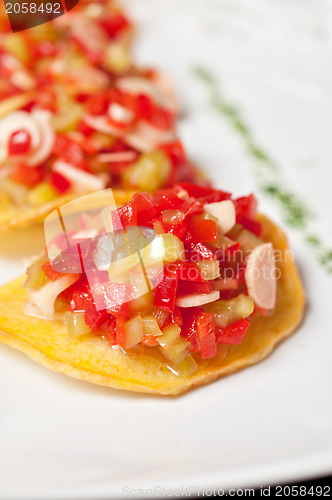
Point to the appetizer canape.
(77, 116)
(177, 289)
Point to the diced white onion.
(260, 276)
(196, 300)
(81, 181)
(224, 211)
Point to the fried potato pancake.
(92, 359)
(21, 217)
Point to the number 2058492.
(302, 491)
(33, 8)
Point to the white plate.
(62, 438)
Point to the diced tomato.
(194, 287)
(115, 298)
(201, 230)
(189, 327)
(165, 293)
(145, 209)
(162, 119)
(124, 216)
(166, 199)
(120, 331)
(246, 206)
(26, 175)
(82, 298)
(206, 336)
(115, 24)
(19, 143)
(177, 317)
(84, 128)
(70, 151)
(50, 272)
(199, 251)
(175, 152)
(95, 319)
(60, 183)
(252, 225)
(208, 195)
(97, 104)
(155, 115)
(186, 271)
(232, 334)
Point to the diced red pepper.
(145, 209)
(115, 24)
(97, 104)
(246, 206)
(189, 271)
(124, 216)
(120, 331)
(206, 336)
(95, 319)
(208, 195)
(199, 251)
(26, 175)
(84, 128)
(189, 327)
(155, 115)
(252, 225)
(166, 199)
(70, 151)
(19, 143)
(194, 287)
(175, 152)
(50, 272)
(60, 183)
(165, 293)
(114, 297)
(81, 296)
(177, 317)
(232, 334)
(201, 230)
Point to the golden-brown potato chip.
(92, 359)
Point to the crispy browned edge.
(91, 359)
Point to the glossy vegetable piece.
(76, 324)
(232, 334)
(206, 336)
(225, 312)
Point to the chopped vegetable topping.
(168, 291)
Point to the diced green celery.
(35, 275)
(170, 336)
(225, 312)
(178, 356)
(248, 241)
(149, 173)
(151, 327)
(117, 58)
(209, 269)
(76, 324)
(134, 331)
